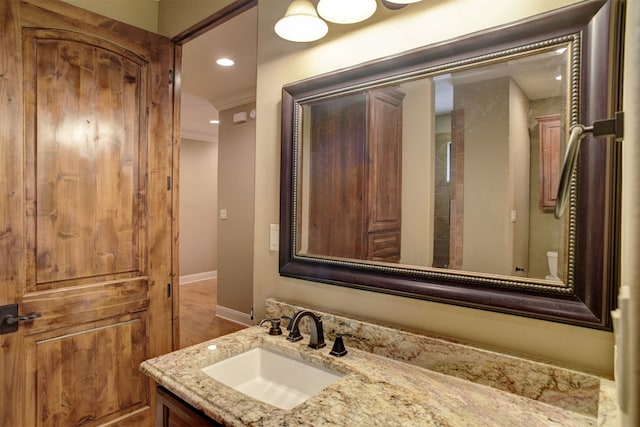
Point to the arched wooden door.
(85, 215)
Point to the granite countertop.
(376, 391)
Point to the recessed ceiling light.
(225, 62)
(214, 122)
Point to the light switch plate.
(274, 237)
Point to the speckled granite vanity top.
(380, 391)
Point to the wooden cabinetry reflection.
(549, 131)
(355, 176)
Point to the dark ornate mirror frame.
(593, 262)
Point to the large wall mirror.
(433, 174)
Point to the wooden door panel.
(384, 246)
(89, 303)
(550, 149)
(385, 157)
(86, 112)
(86, 156)
(86, 150)
(337, 178)
(90, 376)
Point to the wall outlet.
(223, 214)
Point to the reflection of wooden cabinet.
(174, 412)
(355, 176)
(549, 133)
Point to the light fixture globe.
(346, 11)
(402, 1)
(301, 23)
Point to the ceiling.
(205, 82)
(208, 88)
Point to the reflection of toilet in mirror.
(552, 261)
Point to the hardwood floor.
(198, 320)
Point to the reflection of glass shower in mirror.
(478, 148)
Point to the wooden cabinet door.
(550, 141)
(85, 214)
(355, 175)
(384, 183)
(337, 178)
(385, 160)
(173, 412)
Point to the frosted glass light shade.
(403, 1)
(346, 11)
(301, 23)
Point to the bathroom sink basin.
(272, 377)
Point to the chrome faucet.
(317, 334)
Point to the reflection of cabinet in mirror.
(549, 132)
(355, 176)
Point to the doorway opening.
(217, 155)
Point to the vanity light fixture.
(225, 62)
(301, 23)
(214, 122)
(402, 1)
(346, 12)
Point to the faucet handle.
(275, 326)
(294, 334)
(338, 349)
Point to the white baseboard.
(197, 277)
(234, 315)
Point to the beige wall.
(418, 152)
(166, 17)
(236, 160)
(629, 355)
(175, 16)
(419, 24)
(519, 149)
(496, 176)
(551, 239)
(139, 13)
(198, 206)
(488, 242)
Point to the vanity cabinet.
(549, 135)
(355, 176)
(172, 411)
